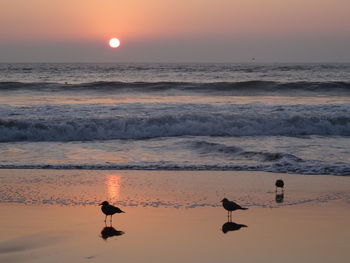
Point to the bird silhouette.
(231, 226)
(110, 231)
(279, 184)
(231, 206)
(109, 210)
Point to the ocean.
(288, 118)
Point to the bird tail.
(244, 208)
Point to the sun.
(114, 42)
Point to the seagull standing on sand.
(110, 210)
(231, 206)
(279, 183)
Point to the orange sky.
(172, 22)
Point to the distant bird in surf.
(231, 206)
(279, 184)
(110, 210)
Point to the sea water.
(292, 118)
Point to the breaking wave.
(174, 124)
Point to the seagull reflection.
(279, 197)
(231, 226)
(110, 231)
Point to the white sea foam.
(135, 121)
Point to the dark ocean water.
(272, 117)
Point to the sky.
(175, 30)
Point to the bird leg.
(105, 218)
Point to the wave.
(226, 158)
(240, 153)
(233, 88)
(174, 125)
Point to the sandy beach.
(172, 216)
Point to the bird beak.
(100, 204)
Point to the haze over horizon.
(175, 31)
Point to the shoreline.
(166, 188)
(181, 169)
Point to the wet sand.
(172, 217)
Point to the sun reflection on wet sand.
(113, 183)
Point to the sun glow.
(113, 183)
(114, 42)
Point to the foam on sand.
(175, 189)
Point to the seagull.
(279, 183)
(231, 206)
(109, 210)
